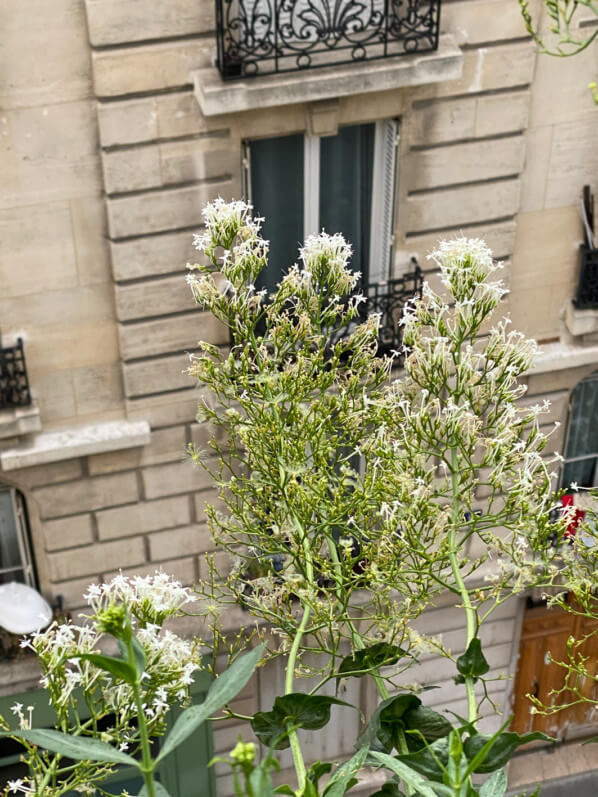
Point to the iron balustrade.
(14, 384)
(262, 37)
(389, 299)
(587, 287)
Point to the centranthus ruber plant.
(351, 495)
(127, 697)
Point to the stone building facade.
(115, 130)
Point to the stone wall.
(109, 162)
(55, 278)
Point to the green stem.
(291, 662)
(401, 743)
(147, 762)
(456, 509)
(356, 636)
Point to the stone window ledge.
(80, 441)
(21, 420)
(581, 323)
(216, 96)
(563, 355)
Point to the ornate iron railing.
(389, 300)
(260, 37)
(587, 287)
(14, 384)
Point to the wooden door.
(544, 636)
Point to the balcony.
(14, 384)
(389, 300)
(265, 37)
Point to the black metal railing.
(389, 300)
(14, 384)
(261, 37)
(587, 287)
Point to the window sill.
(19, 421)
(216, 96)
(77, 442)
(563, 355)
(581, 323)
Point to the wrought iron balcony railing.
(261, 37)
(14, 384)
(389, 300)
(587, 287)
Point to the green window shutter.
(275, 182)
(582, 436)
(345, 195)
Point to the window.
(581, 450)
(343, 183)
(16, 563)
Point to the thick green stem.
(456, 509)
(291, 662)
(147, 762)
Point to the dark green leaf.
(341, 781)
(472, 663)
(221, 692)
(430, 761)
(405, 773)
(318, 769)
(285, 790)
(380, 731)
(117, 667)
(427, 722)
(368, 659)
(75, 747)
(389, 789)
(495, 785)
(501, 750)
(297, 710)
(158, 788)
(139, 656)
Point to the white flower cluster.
(150, 599)
(325, 258)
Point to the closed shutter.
(383, 200)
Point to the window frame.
(384, 191)
(19, 513)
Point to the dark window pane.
(10, 555)
(277, 195)
(583, 434)
(346, 172)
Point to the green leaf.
(340, 782)
(285, 789)
(405, 773)
(222, 691)
(495, 785)
(158, 789)
(501, 750)
(427, 722)
(296, 709)
(139, 656)
(381, 654)
(380, 731)
(117, 667)
(431, 760)
(76, 747)
(389, 789)
(472, 663)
